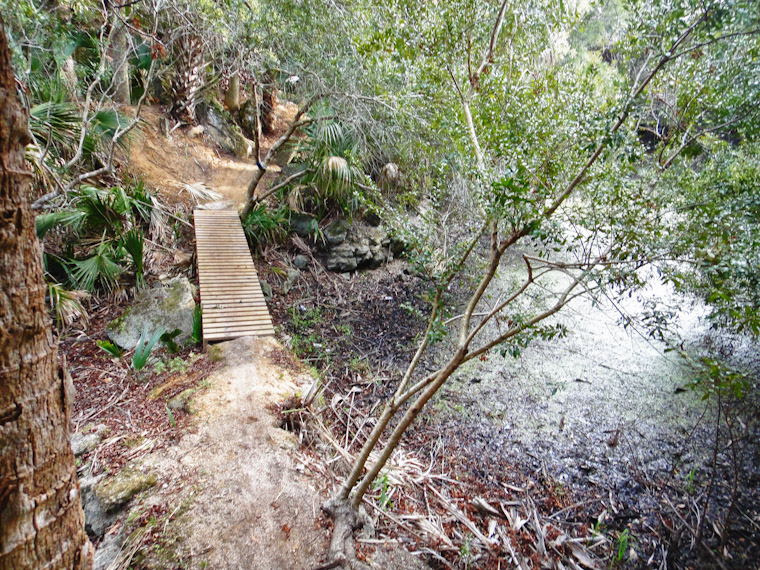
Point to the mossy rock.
(115, 492)
(168, 306)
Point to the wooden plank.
(232, 302)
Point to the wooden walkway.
(232, 303)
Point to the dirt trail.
(241, 501)
(168, 163)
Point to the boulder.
(183, 400)
(115, 492)
(361, 246)
(304, 225)
(220, 127)
(169, 306)
(301, 261)
(293, 275)
(248, 118)
(82, 442)
(337, 231)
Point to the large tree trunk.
(41, 519)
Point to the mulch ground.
(131, 405)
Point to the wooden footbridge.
(232, 303)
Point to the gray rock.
(108, 549)
(115, 492)
(169, 306)
(336, 232)
(220, 127)
(304, 225)
(301, 261)
(96, 519)
(183, 400)
(342, 258)
(248, 118)
(81, 442)
(293, 275)
(363, 246)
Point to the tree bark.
(268, 103)
(120, 62)
(41, 519)
(232, 95)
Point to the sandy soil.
(241, 501)
(166, 164)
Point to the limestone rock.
(301, 261)
(115, 492)
(169, 306)
(266, 289)
(220, 127)
(248, 118)
(82, 442)
(303, 225)
(96, 519)
(336, 232)
(293, 275)
(183, 400)
(363, 246)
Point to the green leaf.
(110, 348)
(144, 348)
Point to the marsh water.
(604, 405)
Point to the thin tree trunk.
(120, 61)
(41, 519)
(232, 96)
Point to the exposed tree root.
(346, 520)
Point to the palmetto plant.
(108, 225)
(67, 304)
(329, 149)
(264, 226)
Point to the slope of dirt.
(166, 163)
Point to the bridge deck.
(232, 303)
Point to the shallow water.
(600, 405)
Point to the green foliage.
(132, 241)
(114, 221)
(101, 268)
(382, 483)
(264, 226)
(167, 339)
(329, 155)
(175, 365)
(717, 227)
(111, 348)
(621, 548)
(144, 348)
(170, 415)
(197, 335)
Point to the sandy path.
(247, 506)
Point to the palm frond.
(67, 304)
(73, 219)
(133, 242)
(55, 126)
(199, 192)
(100, 268)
